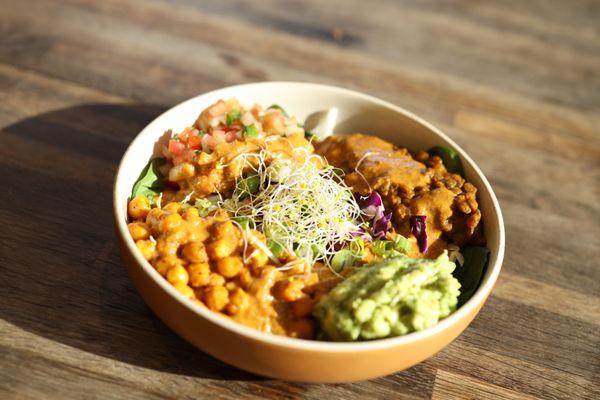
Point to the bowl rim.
(466, 309)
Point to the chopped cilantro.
(233, 116)
(250, 131)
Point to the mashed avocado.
(389, 298)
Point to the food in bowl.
(331, 238)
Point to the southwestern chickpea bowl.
(286, 228)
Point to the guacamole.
(389, 298)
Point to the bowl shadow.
(61, 273)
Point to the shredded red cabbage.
(370, 205)
(418, 228)
(361, 233)
(381, 225)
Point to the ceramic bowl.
(283, 357)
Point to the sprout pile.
(301, 204)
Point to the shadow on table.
(60, 275)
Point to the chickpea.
(303, 307)
(259, 259)
(185, 290)
(190, 235)
(164, 264)
(220, 249)
(216, 280)
(172, 207)
(139, 230)
(216, 297)
(147, 248)
(153, 220)
(138, 207)
(224, 230)
(191, 214)
(201, 232)
(245, 278)
(199, 274)
(195, 252)
(178, 274)
(238, 302)
(302, 328)
(181, 171)
(230, 266)
(170, 222)
(289, 290)
(168, 245)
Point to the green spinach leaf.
(449, 157)
(471, 272)
(150, 182)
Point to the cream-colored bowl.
(282, 357)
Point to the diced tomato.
(183, 136)
(185, 156)
(175, 147)
(194, 141)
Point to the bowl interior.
(357, 113)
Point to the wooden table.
(515, 83)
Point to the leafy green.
(245, 222)
(309, 135)
(342, 259)
(399, 246)
(250, 131)
(357, 246)
(317, 250)
(150, 182)
(233, 116)
(380, 247)
(449, 157)
(248, 185)
(471, 272)
(275, 247)
(278, 107)
(204, 206)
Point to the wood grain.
(517, 84)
